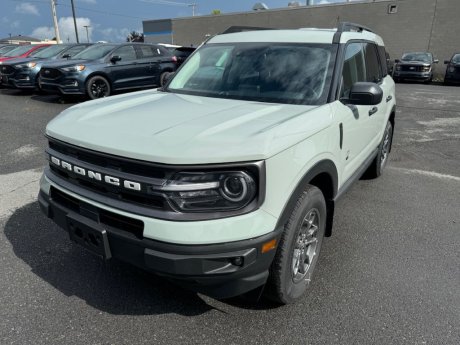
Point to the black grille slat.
(7, 70)
(50, 73)
(410, 68)
(104, 161)
(131, 225)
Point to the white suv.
(225, 180)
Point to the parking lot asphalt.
(390, 274)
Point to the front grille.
(7, 69)
(131, 225)
(410, 68)
(144, 173)
(125, 165)
(50, 73)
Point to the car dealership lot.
(390, 274)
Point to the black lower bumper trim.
(219, 270)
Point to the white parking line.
(18, 189)
(427, 173)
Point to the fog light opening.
(238, 261)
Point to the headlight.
(77, 68)
(426, 68)
(209, 191)
(451, 69)
(398, 68)
(27, 65)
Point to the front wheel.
(163, 78)
(98, 87)
(298, 248)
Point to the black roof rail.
(233, 29)
(347, 27)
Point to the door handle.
(373, 111)
(389, 98)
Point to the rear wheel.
(298, 248)
(98, 87)
(380, 161)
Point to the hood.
(17, 61)
(66, 63)
(181, 129)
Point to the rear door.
(375, 74)
(126, 73)
(150, 64)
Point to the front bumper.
(20, 79)
(64, 86)
(219, 270)
(421, 76)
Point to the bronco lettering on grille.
(114, 181)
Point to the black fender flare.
(325, 166)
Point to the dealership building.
(405, 25)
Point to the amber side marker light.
(267, 246)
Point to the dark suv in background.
(452, 70)
(414, 66)
(23, 73)
(103, 68)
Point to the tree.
(216, 12)
(135, 36)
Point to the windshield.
(264, 72)
(425, 57)
(6, 49)
(95, 52)
(456, 58)
(18, 51)
(49, 51)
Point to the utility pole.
(87, 34)
(56, 27)
(74, 21)
(193, 6)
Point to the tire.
(97, 87)
(289, 275)
(163, 77)
(380, 161)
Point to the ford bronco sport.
(225, 179)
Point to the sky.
(109, 20)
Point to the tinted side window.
(354, 68)
(384, 61)
(74, 50)
(372, 63)
(147, 51)
(127, 53)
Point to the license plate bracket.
(89, 237)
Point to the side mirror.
(364, 93)
(446, 62)
(435, 61)
(66, 56)
(115, 59)
(397, 61)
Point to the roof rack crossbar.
(234, 29)
(347, 27)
